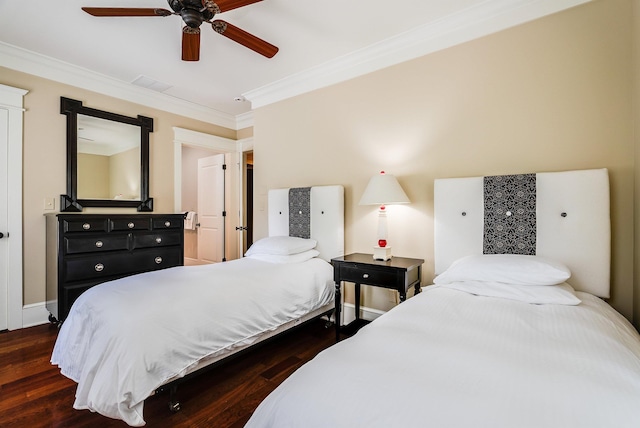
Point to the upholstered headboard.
(310, 212)
(560, 215)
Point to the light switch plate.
(49, 204)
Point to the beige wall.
(550, 95)
(554, 94)
(45, 159)
(104, 177)
(93, 176)
(124, 174)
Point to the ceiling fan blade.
(224, 5)
(246, 39)
(190, 44)
(126, 11)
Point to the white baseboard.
(349, 313)
(34, 314)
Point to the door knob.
(1, 235)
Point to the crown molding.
(244, 120)
(46, 67)
(486, 18)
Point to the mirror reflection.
(108, 159)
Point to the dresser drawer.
(85, 225)
(364, 274)
(120, 263)
(160, 258)
(167, 223)
(81, 244)
(133, 223)
(161, 239)
(71, 294)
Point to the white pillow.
(281, 245)
(508, 268)
(293, 258)
(561, 294)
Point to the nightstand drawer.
(369, 275)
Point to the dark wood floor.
(33, 393)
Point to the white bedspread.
(445, 358)
(123, 339)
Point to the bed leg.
(53, 320)
(174, 404)
(328, 323)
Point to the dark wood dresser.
(84, 250)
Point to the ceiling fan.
(194, 13)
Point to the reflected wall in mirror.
(107, 159)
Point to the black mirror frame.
(70, 202)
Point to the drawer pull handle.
(158, 260)
(99, 244)
(167, 223)
(99, 267)
(131, 225)
(158, 240)
(86, 226)
(365, 276)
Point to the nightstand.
(398, 273)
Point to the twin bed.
(513, 332)
(125, 339)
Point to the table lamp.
(383, 189)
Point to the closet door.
(11, 113)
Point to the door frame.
(186, 137)
(12, 99)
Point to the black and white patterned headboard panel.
(560, 215)
(310, 212)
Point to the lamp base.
(381, 253)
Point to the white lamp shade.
(383, 189)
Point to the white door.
(4, 219)
(210, 209)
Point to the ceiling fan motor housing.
(192, 11)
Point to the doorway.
(248, 201)
(195, 145)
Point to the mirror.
(107, 159)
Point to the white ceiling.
(321, 42)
